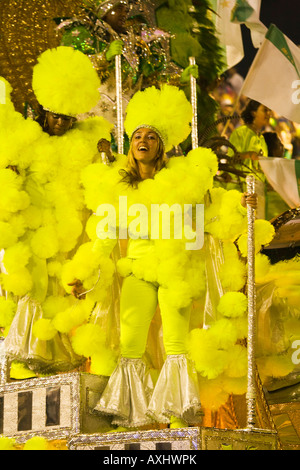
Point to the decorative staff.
(119, 94)
(3, 362)
(194, 105)
(251, 386)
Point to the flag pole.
(251, 385)
(195, 139)
(119, 95)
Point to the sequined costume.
(146, 56)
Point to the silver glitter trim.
(194, 105)
(73, 380)
(168, 435)
(119, 97)
(251, 385)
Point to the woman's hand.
(77, 289)
(249, 200)
(249, 156)
(104, 146)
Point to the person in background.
(274, 144)
(105, 30)
(275, 204)
(53, 225)
(251, 145)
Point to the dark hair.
(247, 113)
(272, 140)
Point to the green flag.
(241, 11)
(273, 78)
(247, 12)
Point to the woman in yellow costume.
(169, 270)
(250, 144)
(50, 224)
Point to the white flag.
(248, 12)
(273, 78)
(229, 33)
(284, 176)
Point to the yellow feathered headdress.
(167, 111)
(65, 82)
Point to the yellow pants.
(139, 301)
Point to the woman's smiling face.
(145, 145)
(261, 117)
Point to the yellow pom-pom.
(7, 443)
(145, 268)
(56, 304)
(68, 231)
(44, 242)
(32, 217)
(224, 333)
(225, 217)
(264, 234)
(124, 266)
(7, 311)
(233, 304)
(15, 257)
(275, 366)
(235, 385)
(88, 340)
(167, 110)
(233, 271)
(72, 317)
(82, 266)
(43, 329)
(212, 393)
(103, 363)
(237, 361)
(262, 267)
(241, 325)
(18, 224)
(19, 282)
(205, 158)
(8, 237)
(36, 443)
(91, 227)
(54, 268)
(13, 198)
(178, 294)
(210, 361)
(65, 81)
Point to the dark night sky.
(285, 14)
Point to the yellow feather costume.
(44, 215)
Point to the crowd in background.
(227, 95)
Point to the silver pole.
(119, 95)
(251, 385)
(194, 105)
